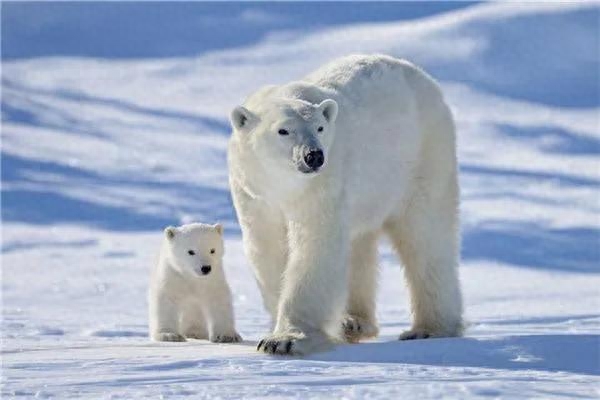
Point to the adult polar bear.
(318, 169)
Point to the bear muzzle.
(312, 161)
(203, 270)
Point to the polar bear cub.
(188, 295)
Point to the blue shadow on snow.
(577, 354)
(16, 114)
(50, 207)
(530, 245)
(180, 29)
(553, 140)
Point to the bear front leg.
(164, 320)
(265, 244)
(221, 317)
(315, 284)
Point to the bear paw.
(169, 337)
(451, 330)
(226, 338)
(357, 328)
(294, 343)
(413, 334)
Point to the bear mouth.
(306, 170)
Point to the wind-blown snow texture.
(99, 154)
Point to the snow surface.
(99, 154)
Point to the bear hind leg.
(360, 321)
(427, 243)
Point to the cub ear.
(170, 232)
(329, 108)
(242, 118)
(218, 228)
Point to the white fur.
(390, 166)
(183, 302)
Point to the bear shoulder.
(256, 99)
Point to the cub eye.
(283, 132)
(212, 251)
(320, 129)
(191, 252)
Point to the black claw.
(426, 335)
(272, 347)
(260, 344)
(288, 347)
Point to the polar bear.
(318, 169)
(188, 295)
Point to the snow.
(99, 154)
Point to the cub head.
(288, 134)
(194, 250)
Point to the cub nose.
(314, 159)
(205, 269)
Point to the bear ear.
(329, 108)
(242, 119)
(170, 232)
(218, 228)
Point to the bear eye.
(283, 132)
(320, 129)
(191, 252)
(212, 251)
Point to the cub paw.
(357, 328)
(169, 337)
(294, 343)
(226, 338)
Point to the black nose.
(314, 159)
(205, 269)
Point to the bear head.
(194, 250)
(288, 134)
